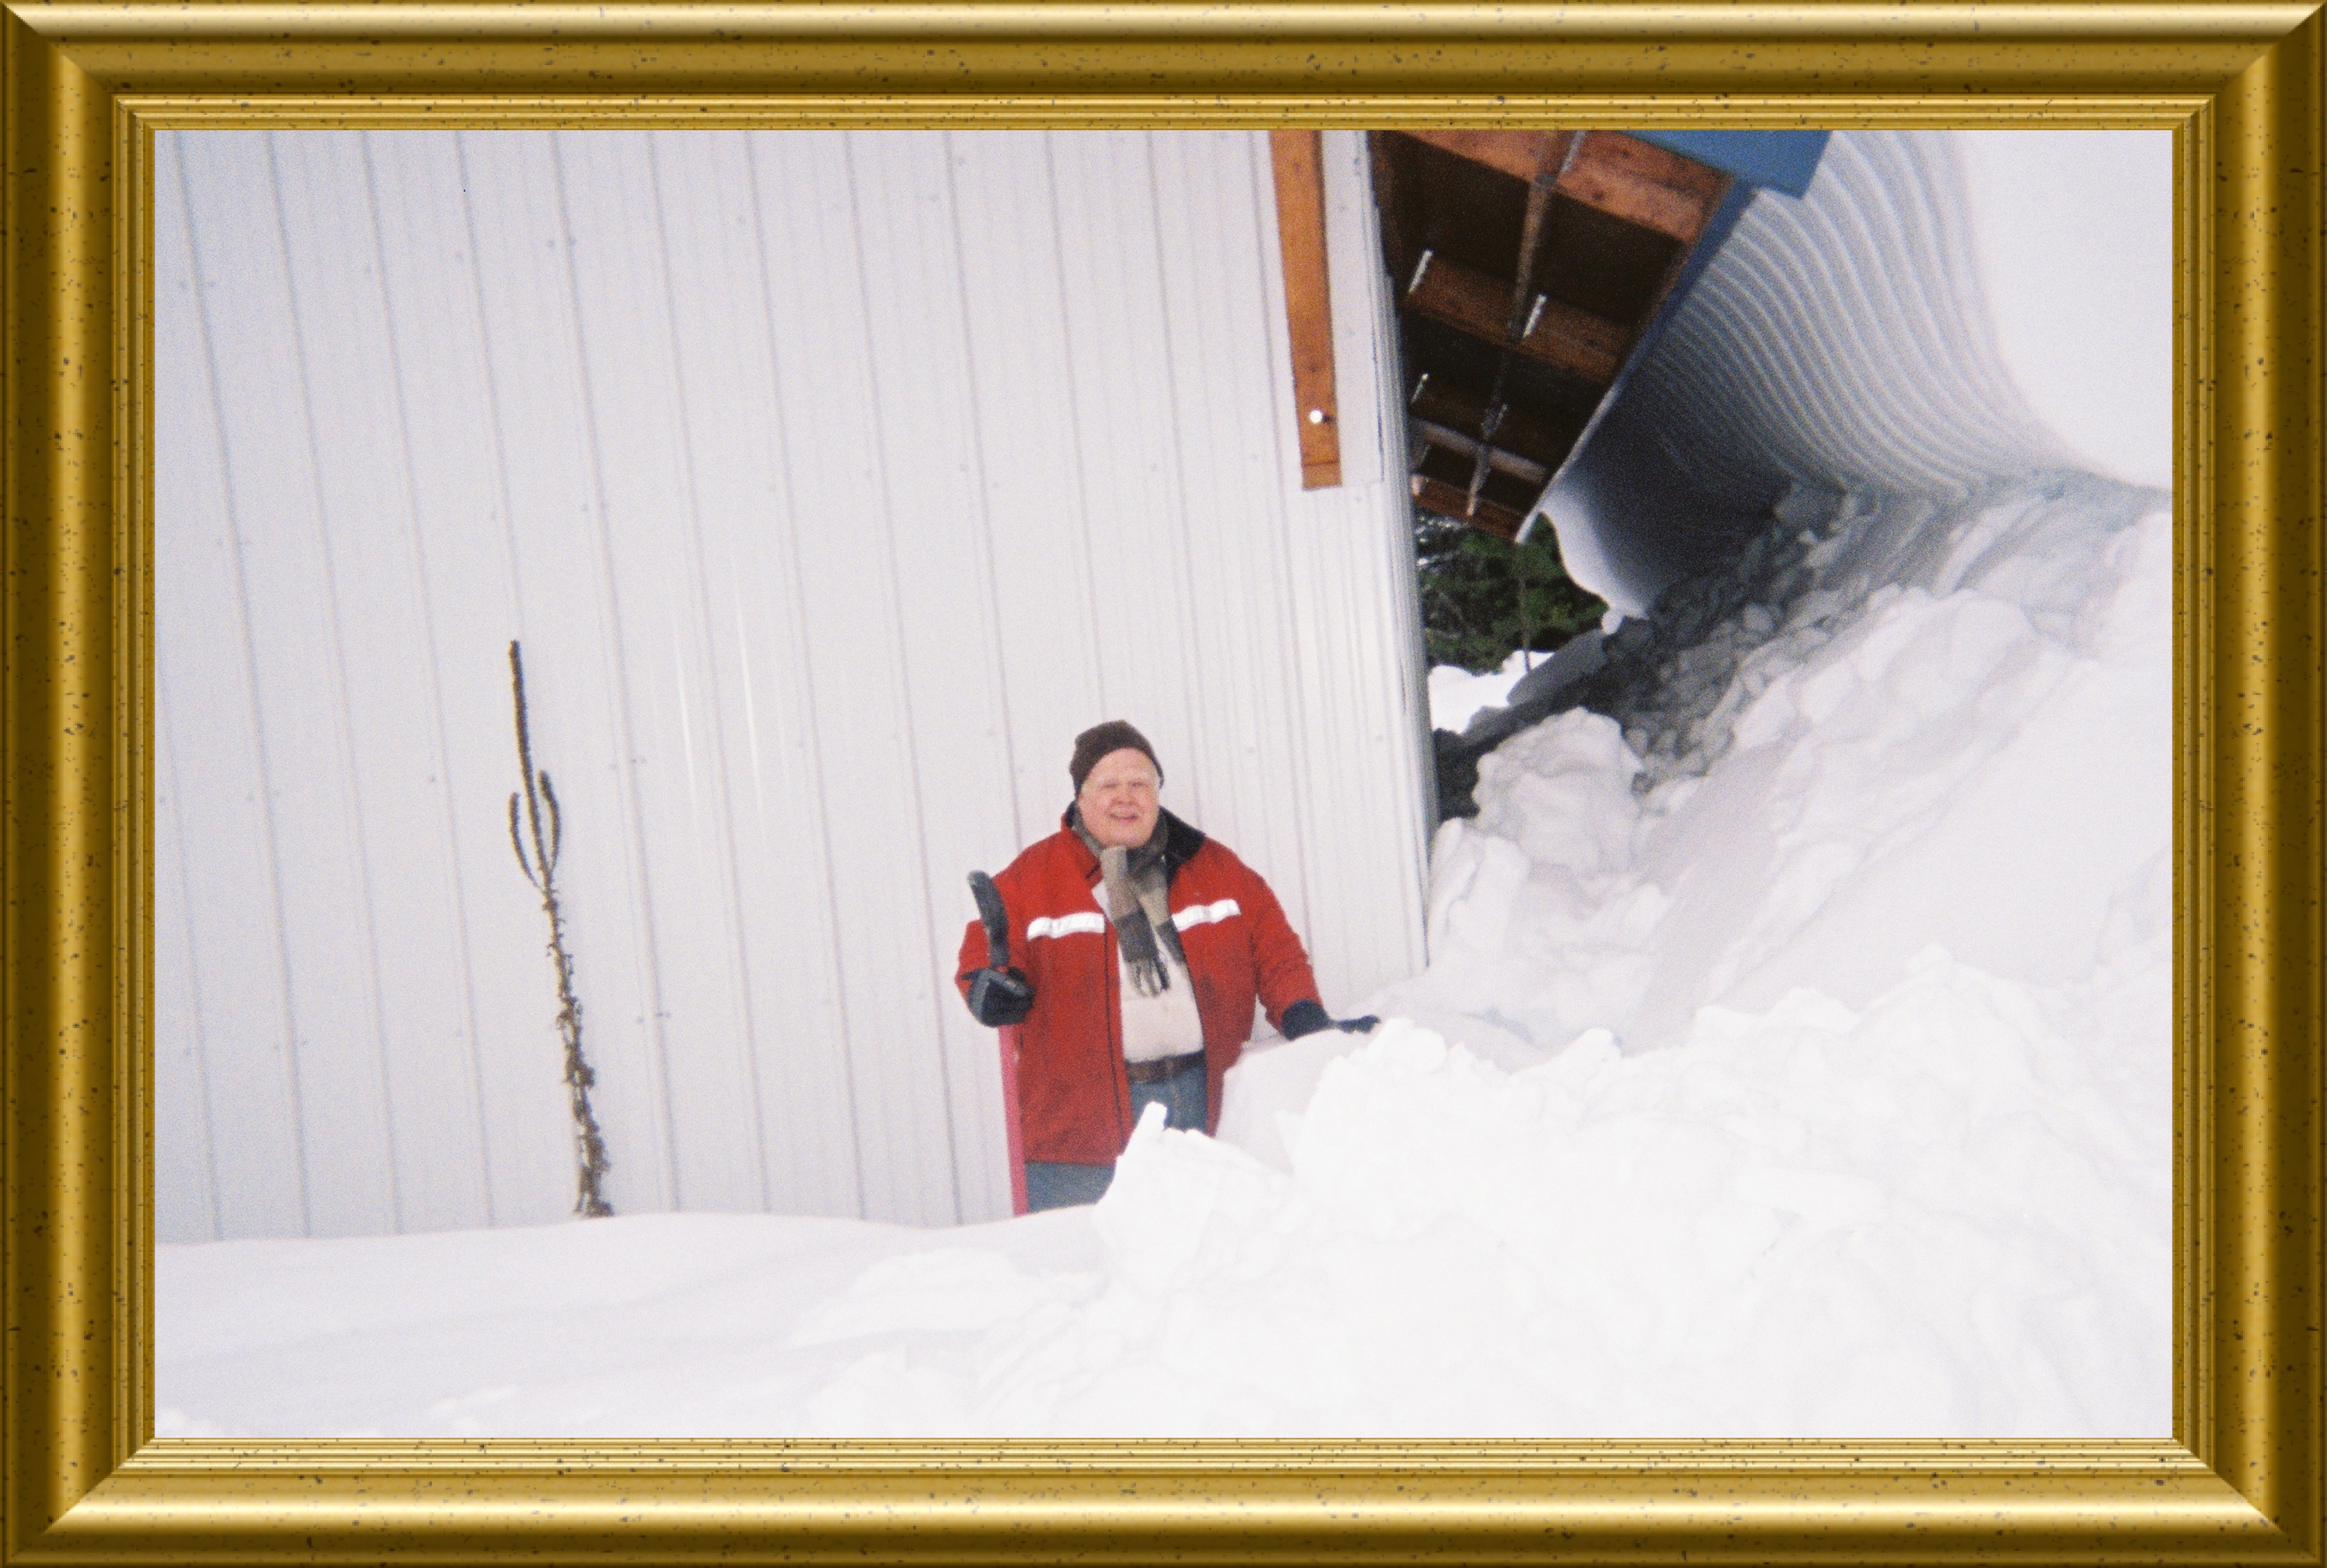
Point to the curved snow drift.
(1793, 1060)
(1848, 342)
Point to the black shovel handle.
(997, 919)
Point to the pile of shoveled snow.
(1855, 902)
(1925, 1219)
(1899, 721)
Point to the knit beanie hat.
(1096, 741)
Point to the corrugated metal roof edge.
(1782, 161)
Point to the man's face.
(1117, 800)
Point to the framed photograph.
(90, 93)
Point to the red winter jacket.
(1074, 1098)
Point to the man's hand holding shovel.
(1001, 993)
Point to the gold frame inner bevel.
(87, 84)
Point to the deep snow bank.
(1908, 748)
(1869, 869)
(1902, 723)
(1928, 1217)
(1910, 1221)
(659, 1325)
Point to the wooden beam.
(1641, 183)
(1552, 157)
(1623, 176)
(1442, 477)
(1513, 153)
(1449, 499)
(1500, 458)
(1523, 431)
(1308, 301)
(1472, 303)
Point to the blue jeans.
(1061, 1184)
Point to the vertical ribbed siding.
(832, 482)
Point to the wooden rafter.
(1553, 150)
(1513, 153)
(1577, 341)
(1499, 457)
(1523, 431)
(1621, 175)
(1448, 501)
(1517, 252)
(1640, 182)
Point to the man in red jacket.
(1141, 947)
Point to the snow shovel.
(998, 957)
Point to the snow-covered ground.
(1793, 1060)
(1457, 696)
(1460, 699)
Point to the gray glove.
(1307, 1017)
(1000, 996)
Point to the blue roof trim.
(1772, 160)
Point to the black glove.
(1307, 1017)
(1000, 996)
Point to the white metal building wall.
(832, 482)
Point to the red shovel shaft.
(1009, 1035)
(996, 920)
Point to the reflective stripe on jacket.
(1074, 1097)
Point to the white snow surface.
(2087, 331)
(1461, 701)
(1794, 1059)
(1929, 726)
(1458, 695)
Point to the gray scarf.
(1138, 901)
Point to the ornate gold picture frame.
(84, 86)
